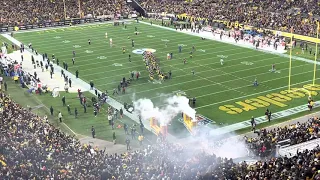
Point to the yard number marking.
(247, 63)
(101, 57)
(88, 51)
(117, 64)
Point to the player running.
(221, 62)
(132, 43)
(110, 41)
(273, 68)
(89, 41)
(255, 82)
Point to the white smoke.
(164, 114)
(209, 140)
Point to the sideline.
(240, 43)
(118, 105)
(112, 102)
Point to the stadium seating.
(15, 12)
(31, 148)
(284, 136)
(276, 15)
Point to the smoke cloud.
(164, 114)
(207, 140)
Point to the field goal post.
(315, 58)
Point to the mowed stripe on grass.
(210, 76)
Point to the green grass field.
(224, 93)
(81, 125)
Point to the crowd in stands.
(278, 15)
(15, 12)
(31, 148)
(296, 133)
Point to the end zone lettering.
(278, 99)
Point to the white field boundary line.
(228, 89)
(77, 25)
(116, 41)
(150, 32)
(237, 44)
(102, 72)
(119, 53)
(111, 101)
(245, 69)
(108, 57)
(154, 89)
(214, 83)
(113, 65)
(208, 105)
(117, 60)
(198, 72)
(37, 99)
(230, 74)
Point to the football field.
(224, 93)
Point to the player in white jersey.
(221, 62)
(110, 42)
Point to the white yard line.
(76, 26)
(236, 44)
(116, 40)
(253, 93)
(102, 72)
(117, 60)
(184, 82)
(245, 69)
(200, 87)
(118, 53)
(214, 83)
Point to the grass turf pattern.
(213, 85)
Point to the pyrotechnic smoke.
(164, 114)
(207, 141)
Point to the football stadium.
(155, 89)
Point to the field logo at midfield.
(57, 37)
(201, 50)
(117, 64)
(77, 46)
(222, 56)
(150, 36)
(247, 63)
(66, 41)
(165, 40)
(101, 57)
(88, 51)
(183, 45)
(141, 51)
